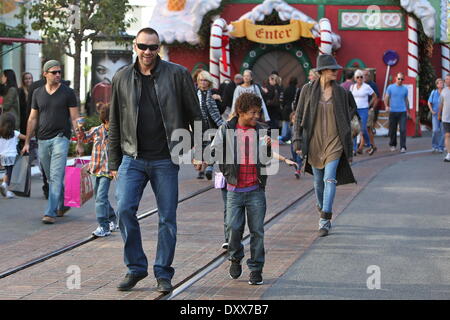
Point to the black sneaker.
(255, 278)
(208, 173)
(164, 286)
(130, 281)
(235, 269)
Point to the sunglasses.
(55, 72)
(144, 47)
(400, 79)
(359, 77)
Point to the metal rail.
(78, 243)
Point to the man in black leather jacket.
(150, 100)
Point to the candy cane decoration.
(219, 44)
(413, 48)
(326, 43)
(445, 59)
(225, 68)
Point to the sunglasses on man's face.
(400, 79)
(55, 72)
(359, 77)
(144, 47)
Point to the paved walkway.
(288, 243)
(396, 229)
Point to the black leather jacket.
(177, 100)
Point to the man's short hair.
(147, 30)
(246, 101)
(349, 75)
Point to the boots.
(323, 232)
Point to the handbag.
(78, 187)
(355, 125)
(20, 182)
(219, 180)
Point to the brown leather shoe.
(48, 220)
(60, 213)
(323, 232)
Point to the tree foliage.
(63, 22)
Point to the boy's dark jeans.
(254, 202)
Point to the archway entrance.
(286, 65)
(288, 60)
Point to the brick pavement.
(200, 233)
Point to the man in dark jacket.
(150, 100)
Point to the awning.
(10, 41)
(21, 40)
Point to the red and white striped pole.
(413, 48)
(218, 29)
(326, 44)
(445, 59)
(225, 66)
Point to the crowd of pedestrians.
(152, 98)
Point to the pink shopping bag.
(77, 184)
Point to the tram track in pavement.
(209, 266)
(221, 258)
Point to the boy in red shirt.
(244, 148)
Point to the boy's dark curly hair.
(103, 110)
(246, 101)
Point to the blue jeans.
(438, 136)
(133, 176)
(325, 189)
(364, 114)
(224, 198)
(254, 202)
(296, 158)
(103, 210)
(286, 130)
(395, 119)
(53, 158)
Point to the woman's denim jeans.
(133, 176)
(325, 189)
(364, 114)
(103, 210)
(254, 202)
(53, 158)
(438, 136)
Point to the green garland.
(427, 74)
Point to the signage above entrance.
(272, 34)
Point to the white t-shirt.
(8, 147)
(445, 95)
(361, 95)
